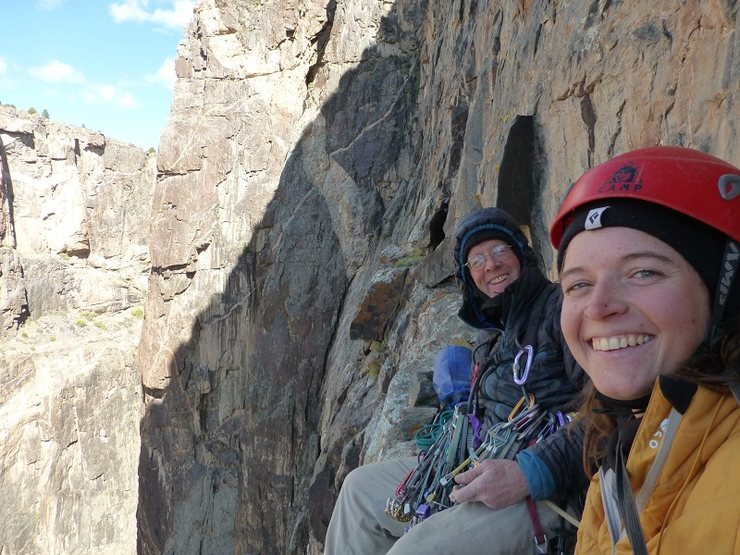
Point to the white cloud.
(4, 66)
(101, 93)
(48, 5)
(165, 75)
(175, 17)
(131, 10)
(127, 101)
(106, 92)
(57, 72)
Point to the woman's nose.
(604, 301)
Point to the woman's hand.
(496, 483)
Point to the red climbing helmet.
(685, 180)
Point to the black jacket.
(527, 312)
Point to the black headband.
(701, 245)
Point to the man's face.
(493, 266)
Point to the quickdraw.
(426, 489)
(422, 492)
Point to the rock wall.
(317, 157)
(73, 239)
(298, 282)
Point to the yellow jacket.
(685, 474)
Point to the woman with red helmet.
(648, 249)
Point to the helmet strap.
(727, 274)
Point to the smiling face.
(633, 308)
(498, 272)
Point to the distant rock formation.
(308, 138)
(74, 263)
(316, 160)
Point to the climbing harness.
(540, 538)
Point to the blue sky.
(104, 64)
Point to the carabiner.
(520, 379)
(529, 399)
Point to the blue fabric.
(453, 367)
(537, 473)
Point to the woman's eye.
(574, 287)
(645, 273)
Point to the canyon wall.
(317, 158)
(289, 248)
(73, 269)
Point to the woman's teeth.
(619, 342)
(499, 279)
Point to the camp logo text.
(625, 180)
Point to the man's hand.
(496, 483)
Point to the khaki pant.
(360, 526)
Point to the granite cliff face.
(73, 266)
(317, 157)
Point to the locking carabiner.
(521, 379)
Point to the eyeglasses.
(499, 253)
